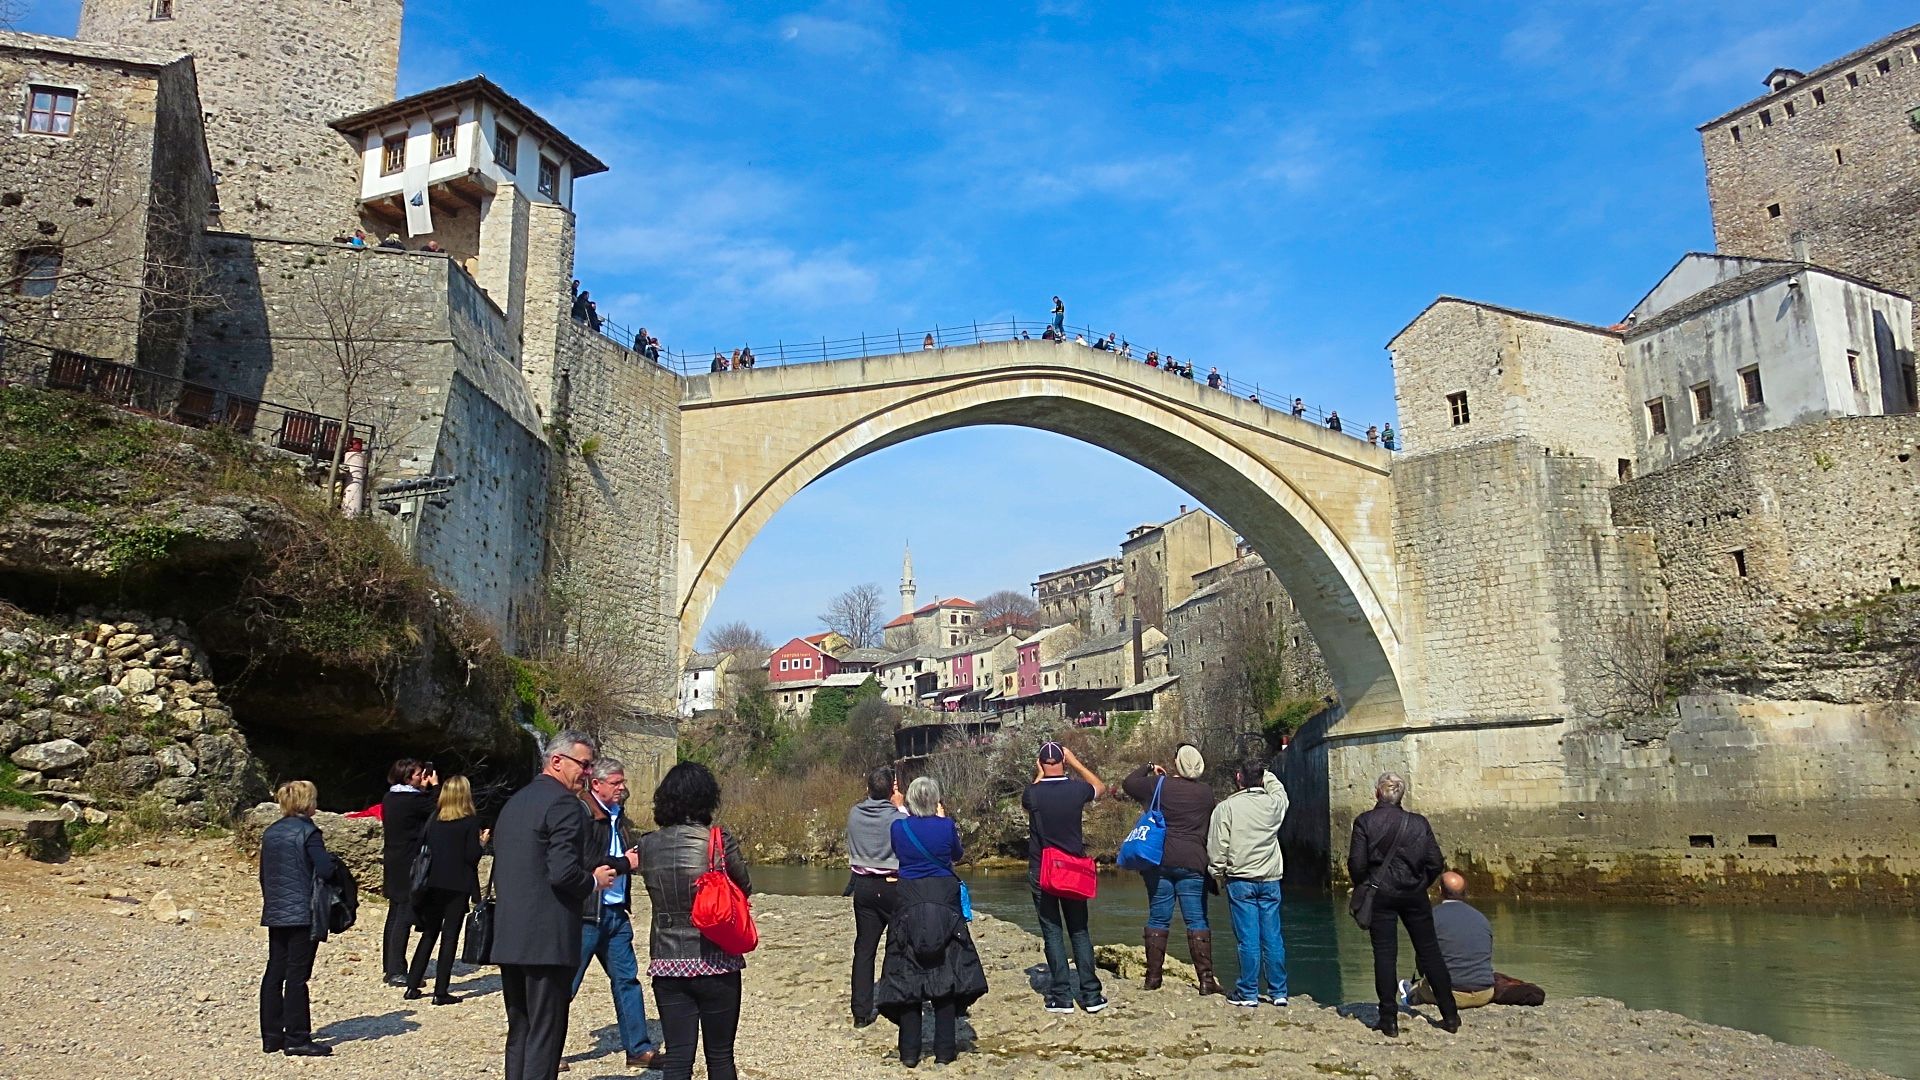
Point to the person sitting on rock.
(1466, 942)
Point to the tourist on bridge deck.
(1299, 408)
(580, 302)
(1243, 849)
(454, 838)
(1182, 873)
(1213, 377)
(1466, 944)
(1373, 435)
(926, 343)
(292, 856)
(873, 879)
(930, 954)
(1153, 359)
(1387, 438)
(1333, 420)
(1395, 856)
(1059, 317)
(1054, 803)
(1254, 397)
(1126, 350)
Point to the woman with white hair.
(930, 954)
(1182, 873)
(1395, 856)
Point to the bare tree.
(737, 637)
(1007, 608)
(10, 13)
(368, 352)
(856, 615)
(1632, 670)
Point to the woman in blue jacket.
(930, 954)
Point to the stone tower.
(272, 75)
(909, 595)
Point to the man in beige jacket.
(1243, 848)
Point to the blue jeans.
(1062, 921)
(1255, 909)
(611, 939)
(1164, 886)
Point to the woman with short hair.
(454, 840)
(696, 984)
(292, 855)
(930, 954)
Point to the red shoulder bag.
(720, 909)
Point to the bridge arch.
(1316, 504)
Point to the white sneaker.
(1244, 1003)
(1406, 992)
(1271, 999)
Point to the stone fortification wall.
(614, 518)
(1761, 800)
(1559, 383)
(1831, 175)
(272, 76)
(176, 218)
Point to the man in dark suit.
(541, 882)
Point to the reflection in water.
(1841, 981)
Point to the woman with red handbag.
(688, 863)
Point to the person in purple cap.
(1054, 803)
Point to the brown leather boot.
(1200, 944)
(1156, 956)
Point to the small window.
(1702, 402)
(1766, 118)
(1739, 556)
(506, 147)
(1700, 840)
(1625, 468)
(445, 138)
(1884, 66)
(393, 155)
(1763, 840)
(50, 110)
(549, 178)
(1853, 369)
(1657, 416)
(1750, 394)
(1773, 210)
(1457, 407)
(1853, 79)
(36, 270)
(1736, 132)
(1788, 106)
(162, 9)
(1819, 96)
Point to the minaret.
(908, 594)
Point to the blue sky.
(1275, 188)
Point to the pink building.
(803, 659)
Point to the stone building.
(105, 193)
(703, 682)
(1824, 167)
(272, 77)
(1063, 594)
(1159, 561)
(1238, 606)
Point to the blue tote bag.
(966, 894)
(1144, 846)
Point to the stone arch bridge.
(1316, 504)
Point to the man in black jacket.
(412, 795)
(1394, 853)
(540, 883)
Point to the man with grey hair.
(541, 879)
(1395, 858)
(607, 924)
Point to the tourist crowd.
(566, 856)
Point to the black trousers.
(441, 913)
(537, 998)
(874, 899)
(1415, 912)
(399, 928)
(284, 1012)
(702, 1006)
(945, 1010)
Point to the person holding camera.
(412, 795)
(1182, 873)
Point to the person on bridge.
(1059, 318)
(1387, 437)
(926, 343)
(873, 879)
(1373, 435)
(1333, 420)
(1213, 377)
(1182, 873)
(1395, 855)
(1153, 359)
(1466, 944)
(1299, 408)
(719, 363)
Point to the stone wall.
(1741, 799)
(272, 77)
(1831, 175)
(1558, 383)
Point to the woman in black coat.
(292, 855)
(404, 813)
(1394, 854)
(454, 839)
(930, 955)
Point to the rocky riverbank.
(105, 977)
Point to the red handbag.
(720, 909)
(1068, 877)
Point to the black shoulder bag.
(478, 947)
(1360, 904)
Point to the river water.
(1848, 982)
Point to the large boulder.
(52, 758)
(354, 841)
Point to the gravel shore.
(101, 978)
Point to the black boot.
(1156, 956)
(272, 1044)
(1389, 1024)
(1200, 944)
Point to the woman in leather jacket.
(696, 984)
(292, 855)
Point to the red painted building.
(804, 659)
